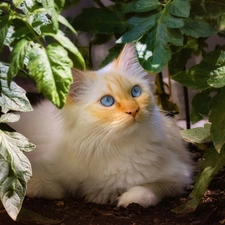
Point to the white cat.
(109, 143)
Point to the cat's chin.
(130, 126)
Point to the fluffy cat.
(109, 143)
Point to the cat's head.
(117, 96)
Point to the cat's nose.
(133, 112)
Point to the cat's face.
(118, 100)
(115, 96)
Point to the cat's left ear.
(128, 61)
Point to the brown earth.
(68, 211)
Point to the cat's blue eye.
(107, 100)
(136, 91)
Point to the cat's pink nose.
(133, 112)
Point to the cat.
(109, 143)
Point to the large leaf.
(78, 60)
(15, 171)
(51, 69)
(209, 73)
(17, 58)
(12, 97)
(102, 21)
(217, 118)
(213, 162)
(15, 167)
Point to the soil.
(69, 211)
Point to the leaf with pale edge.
(51, 69)
(209, 73)
(197, 135)
(217, 118)
(12, 97)
(212, 164)
(15, 168)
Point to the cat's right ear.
(77, 86)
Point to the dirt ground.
(70, 211)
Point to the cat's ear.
(128, 61)
(77, 85)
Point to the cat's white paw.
(139, 194)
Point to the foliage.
(26, 25)
(166, 33)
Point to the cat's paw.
(139, 194)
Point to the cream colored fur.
(102, 153)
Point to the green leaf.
(5, 22)
(51, 69)
(145, 6)
(65, 22)
(140, 26)
(66, 43)
(197, 28)
(212, 164)
(209, 73)
(197, 135)
(15, 170)
(102, 21)
(217, 118)
(153, 53)
(180, 8)
(17, 58)
(12, 97)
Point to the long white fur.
(76, 155)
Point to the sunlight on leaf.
(51, 69)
